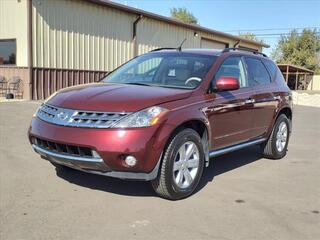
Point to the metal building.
(53, 44)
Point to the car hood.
(115, 97)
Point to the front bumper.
(95, 166)
(112, 145)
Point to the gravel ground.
(242, 196)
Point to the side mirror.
(227, 84)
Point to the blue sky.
(229, 15)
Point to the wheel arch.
(286, 110)
(202, 127)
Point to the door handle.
(277, 98)
(249, 101)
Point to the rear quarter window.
(272, 67)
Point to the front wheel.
(182, 166)
(277, 144)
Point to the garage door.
(206, 43)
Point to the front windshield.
(175, 70)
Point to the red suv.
(162, 115)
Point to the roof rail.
(164, 48)
(243, 49)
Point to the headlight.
(143, 118)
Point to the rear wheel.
(277, 144)
(182, 166)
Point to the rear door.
(265, 101)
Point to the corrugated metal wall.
(46, 81)
(205, 43)
(13, 25)
(74, 34)
(153, 34)
(76, 41)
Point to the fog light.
(130, 161)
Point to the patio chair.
(15, 87)
(3, 86)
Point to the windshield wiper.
(137, 83)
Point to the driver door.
(231, 112)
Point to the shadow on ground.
(218, 166)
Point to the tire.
(270, 148)
(168, 184)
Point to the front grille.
(78, 118)
(63, 148)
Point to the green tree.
(301, 49)
(183, 15)
(250, 36)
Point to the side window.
(233, 67)
(273, 69)
(258, 74)
(8, 49)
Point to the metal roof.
(173, 21)
(293, 68)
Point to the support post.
(29, 43)
(305, 80)
(296, 86)
(287, 74)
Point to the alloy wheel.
(186, 165)
(282, 136)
